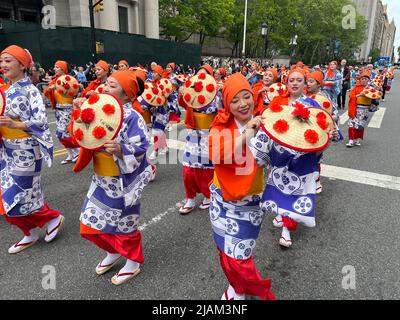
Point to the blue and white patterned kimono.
(22, 159)
(112, 204)
(195, 154)
(159, 117)
(290, 190)
(63, 118)
(172, 103)
(236, 225)
(335, 90)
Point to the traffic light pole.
(92, 29)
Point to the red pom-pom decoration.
(155, 91)
(321, 115)
(159, 100)
(99, 132)
(311, 136)
(60, 91)
(161, 87)
(168, 90)
(71, 94)
(210, 88)
(300, 111)
(271, 90)
(201, 99)
(87, 115)
(108, 109)
(78, 134)
(202, 76)
(322, 124)
(326, 104)
(59, 82)
(93, 98)
(100, 90)
(281, 126)
(146, 86)
(187, 97)
(198, 86)
(75, 114)
(66, 86)
(68, 78)
(75, 86)
(188, 83)
(148, 96)
(275, 108)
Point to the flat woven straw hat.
(378, 82)
(372, 93)
(199, 91)
(182, 78)
(2, 103)
(324, 102)
(298, 127)
(100, 88)
(152, 95)
(276, 90)
(390, 75)
(166, 87)
(97, 121)
(67, 86)
(141, 68)
(260, 72)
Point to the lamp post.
(264, 33)
(244, 29)
(293, 41)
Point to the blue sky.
(394, 12)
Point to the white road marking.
(361, 177)
(160, 216)
(377, 118)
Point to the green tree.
(179, 19)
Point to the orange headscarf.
(124, 62)
(299, 71)
(104, 65)
(208, 68)
(232, 87)
(128, 82)
(234, 186)
(222, 71)
(62, 65)
(366, 74)
(330, 73)
(158, 69)
(171, 65)
(317, 76)
(274, 72)
(22, 55)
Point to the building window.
(123, 19)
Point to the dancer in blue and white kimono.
(111, 212)
(333, 83)
(25, 145)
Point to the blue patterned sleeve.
(260, 147)
(134, 142)
(32, 112)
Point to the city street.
(357, 227)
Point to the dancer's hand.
(114, 148)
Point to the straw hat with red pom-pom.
(98, 120)
(182, 78)
(166, 87)
(372, 93)
(153, 95)
(324, 102)
(199, 91)
(276, 90)
(67, 86)
(298, 127)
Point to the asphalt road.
(357, 226)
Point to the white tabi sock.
(110, 258)
(129, 267)
(190, 203)
(206, 200)
(33, 236)
(232, 294)
(70, 154)
(286, 234)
